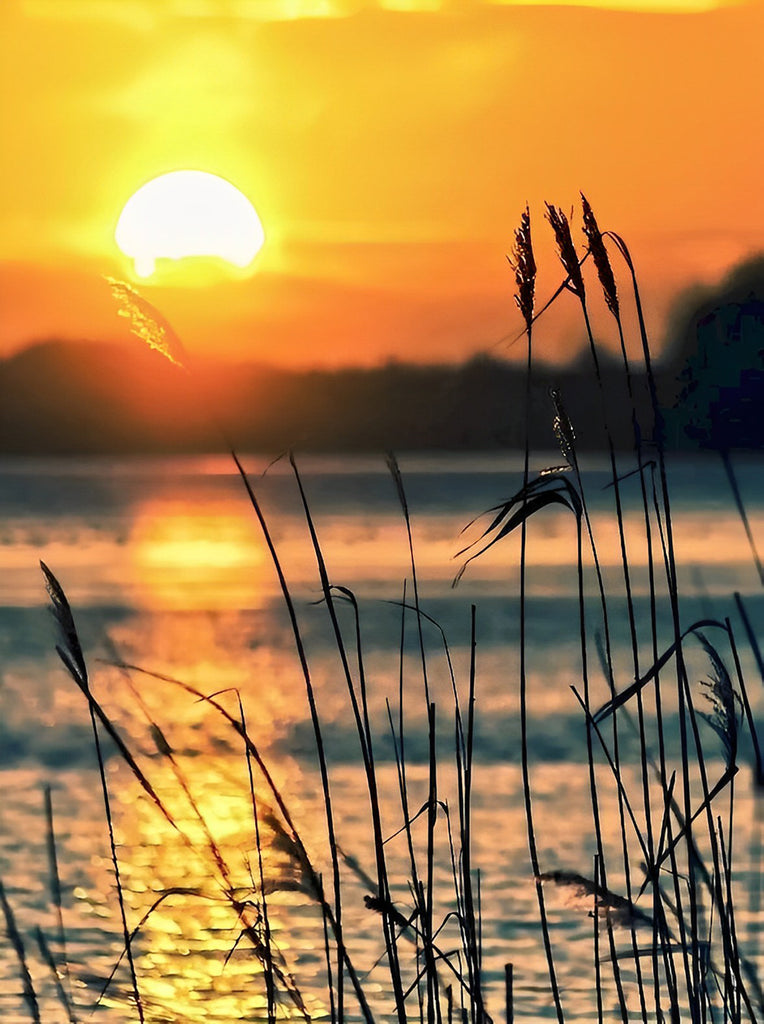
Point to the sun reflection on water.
(190, 594)
(186, 556)
(195, 861)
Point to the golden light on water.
(195, 602)
(200, 945)
(188, 214)
(196, 558)
(192, 933)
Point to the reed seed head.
(617, 910)
(71, 650)
(297, 874)
(567, 250)
(523, 263)
(563, 428)
(147, 323)
(601, 258)
(725, 702)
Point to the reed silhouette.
(665, 939)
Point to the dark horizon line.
(204, 359)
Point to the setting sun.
(188, 214)
(387, 147)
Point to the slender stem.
(524, 758)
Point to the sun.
(186, 214)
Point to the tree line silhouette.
(67, 397)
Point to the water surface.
(167, 568)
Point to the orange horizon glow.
(388, 147)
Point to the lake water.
(165, 567)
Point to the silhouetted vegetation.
(70, 398)
(719, 356)
(667, 939)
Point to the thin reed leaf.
(50, 961)
(73, 659)
(395, 473)
(525, 503)
(361, 717)
(14, 937)
(54, 878)
(267, 945)
(337, 926)
(55, 893)
(625, 695)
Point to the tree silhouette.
(720, 362)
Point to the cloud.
(643, 6)
(151, 14)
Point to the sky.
(389, 149)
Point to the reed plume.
(601, 258)
(523, 264)
(147, 323)
(617, 909)
(725, 703)
(567, 250)
(298, 874)
(563, 429)
(71, 650)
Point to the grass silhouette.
(665, 936)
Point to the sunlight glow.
(195, 558)
(637, 6)
(188, 214)
(148, 12)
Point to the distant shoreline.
(66, 398)
(83, 399)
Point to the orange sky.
(389, 148)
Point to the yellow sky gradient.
(389, 148)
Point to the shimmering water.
(166, 568)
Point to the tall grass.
(661, 893)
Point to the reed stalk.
(524, 266)
(670, 827)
